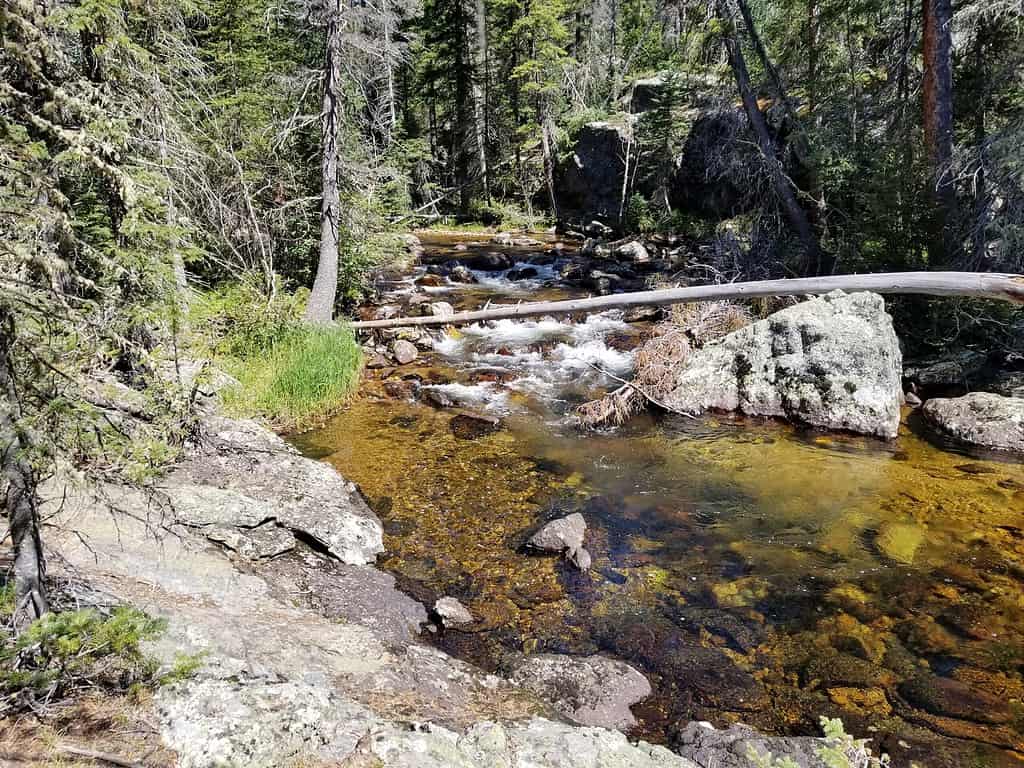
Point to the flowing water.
(754, 571)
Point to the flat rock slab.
(538, 743)
(594, 690)
(831, 362)
(979, 418)
(243, 475)
(731, 747)
(259, 724)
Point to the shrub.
(62, 654)
(239, 320)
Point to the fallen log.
(974, 284)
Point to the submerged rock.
(470, 426)
(592, 691)
(951, 698)
(899, 541)
(831, 362)
(491, 261)
(980, 418)
(564, 535)
(523, 273)
(452, 612)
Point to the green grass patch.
(302, 379)
(291, 374)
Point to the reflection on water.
(754, 571)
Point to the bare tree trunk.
(937, 91)
(796, 215)
(986, 285)
(799, 140)
(390, 67)
(547, 145)
(625, 181)
(981, 203)
(479, 100)
(612, 42)
(812, 57)
(20, 500)
(320, 309)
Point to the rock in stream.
(831, 362)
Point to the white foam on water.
(591, 354)
(499, 281)
(484, 395)
(579, 351)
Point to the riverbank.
(309, 655)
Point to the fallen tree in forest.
(1002, 287)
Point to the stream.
(754, 571)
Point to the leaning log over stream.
(976, 284)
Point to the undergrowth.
(292, 374)
(67, 654)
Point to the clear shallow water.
(754, 571)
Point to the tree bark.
(812, 57)
(320, 309)
(20, 501)
(937, 96)
(479, 96)
(795, 215)
(985, 285)
(547, 146)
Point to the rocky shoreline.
(261, 561)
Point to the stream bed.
(754, 571)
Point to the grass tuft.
(304, 378)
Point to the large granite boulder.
(594, 690)
(589, 184)
(716, 172)
(715, 175)
(980, 418)
(831, 362)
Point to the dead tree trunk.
(480, 105)
(20, 499)
(320, 309)
(984, 285)
(795, 215)
(937, 97)
(547, 140)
